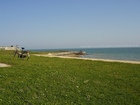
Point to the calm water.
(132, 54)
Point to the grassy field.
(57, 81)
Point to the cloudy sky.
(53, 24)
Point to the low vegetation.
(57, 81)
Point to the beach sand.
(93, 59)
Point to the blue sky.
(69, 23)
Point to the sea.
(128, 54)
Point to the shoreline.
(92, 59)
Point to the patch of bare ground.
(4, 65)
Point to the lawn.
(57, 81)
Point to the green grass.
(56, 81)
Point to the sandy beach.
(76, 57)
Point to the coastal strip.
(93, 59)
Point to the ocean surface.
(131, 54)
